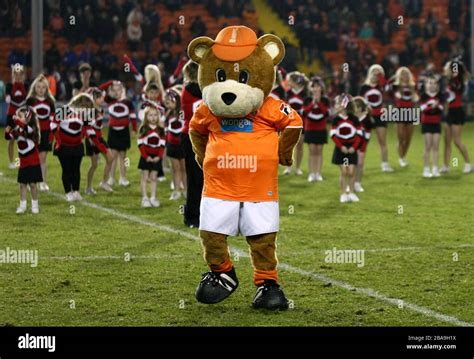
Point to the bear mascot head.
(240, 135)
(237, 70)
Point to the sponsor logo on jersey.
(236, 125)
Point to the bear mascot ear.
(198, 48)
(273, 46)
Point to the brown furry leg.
(264, 260)
(216, 251)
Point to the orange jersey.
(241, 159)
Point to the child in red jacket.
(151, 143)
(431, 105)
(27, 135)
(346, 133)
(15, 98)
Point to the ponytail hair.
(153, 78)
(190, 71)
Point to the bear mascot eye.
(220, 75)
(243, 77)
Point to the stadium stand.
(323, 36)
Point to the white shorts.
(231, 217)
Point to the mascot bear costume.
(239, 135)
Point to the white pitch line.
(377, 295)
(381, 250)
(396, 249)
(313, 275)
(92, 258)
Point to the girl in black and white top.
(346, 133)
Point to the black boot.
(215, 287)
(270, 296)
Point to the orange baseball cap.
(234, 43)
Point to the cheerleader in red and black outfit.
(42, 102)
(372, 92)
(16, 98)
(174, 125)
(151, 143)
(315, 116)
(152, 96)
(96, 144)
(362, 112)
(26, 133)
(457, 76)
(346, 133)
(431, 106)
(121, 115)
(69, 132)
(404, 96)
(296, 97)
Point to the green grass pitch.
(418, 270)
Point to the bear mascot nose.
(228, 98)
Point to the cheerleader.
(69, 134)
(456, 75)
(151, 143)
(296, 97)
(95, 143)
(346, 134)
(315, 116)
(431, 105)
(26, 132)
(16, 98)
(153, 92)
(42, 102)
(372, 92)
(362, 112)
(121, 114)
(405, 96)
(174, 127)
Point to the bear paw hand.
(286, 159)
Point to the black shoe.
(270, 296)
(215, 287)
